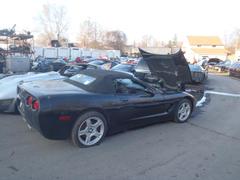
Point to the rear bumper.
(46, 123)
(31, 117)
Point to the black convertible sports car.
(94, 103)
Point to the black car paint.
(61, 97)
(48, 64)
(73, 69)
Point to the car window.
(128, 86)
(142, 66)
(122, 67)
(83, 79)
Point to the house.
(133, 51)
(203, 47)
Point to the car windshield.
(97, 62)
(122, 67)
(83, 79)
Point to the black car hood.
(172, 69)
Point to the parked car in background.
(48, 64)
(73, 69)
(103, 64)
(213, 62)
(8, 87)
(124, 67)
(94, 103)
(234, 69)
(82, 60)
(199, 74)
(223, 66)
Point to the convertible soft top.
(172, 69)
(103, 82)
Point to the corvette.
(94, 103)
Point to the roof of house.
(210, 51)
(204, 40)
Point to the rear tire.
(183, 111)
(89, 129)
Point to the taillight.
(35, 105)
(29, 100)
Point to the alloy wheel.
(91, 131)
(184, 111)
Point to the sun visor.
(171, 69)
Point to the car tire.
(89, 129)
(183, 111)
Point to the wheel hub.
(91, 131)
(184, 111)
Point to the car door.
(136, 103)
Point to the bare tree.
(232, 40)
(115, 40)
(53, 22)
(90, 34)
(146, 41)
(175, 41)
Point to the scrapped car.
(213, 62)
(48, 64)
(103, 64)
(199, 75)
(73, 69)
(82, 60)
(234, 70)
(8, 86)
(94, 103)
(223, 66)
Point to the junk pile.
(15, 51)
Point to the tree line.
(54, 25)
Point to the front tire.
(89, 129)
(183, 111)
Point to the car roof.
(100, 73)
(103, 80)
